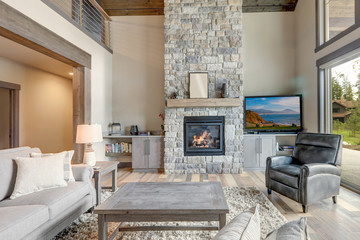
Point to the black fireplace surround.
(204, 136)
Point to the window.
(336, 18)
(341, 98)
(339, 15)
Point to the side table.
(100, 169)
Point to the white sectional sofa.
(41, 215)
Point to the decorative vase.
(224, 90)
(134, 130)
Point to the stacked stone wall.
(203, 35)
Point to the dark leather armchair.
(311, 174)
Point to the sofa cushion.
(286, 174)
(68, 174)
(8, 168)
(38, 174)
(17, 222)
(294, 230)
(56, 199)
(245, 226)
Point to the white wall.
(138, 71)
(46, 117)
(306, 72)
(101, 59)
(269, 53)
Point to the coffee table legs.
(102, 227)
(222, 221)
(98, 188)
(114, 179)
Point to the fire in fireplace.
(203, 140)
(204, 136)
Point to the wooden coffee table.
(163, 202)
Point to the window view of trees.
(345, 87)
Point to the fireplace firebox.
(204, 136)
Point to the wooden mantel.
(204, 102)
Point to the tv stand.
(257, 147)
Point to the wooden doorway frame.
(21, 29)
(14, 112)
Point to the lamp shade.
(89, 133)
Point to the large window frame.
(321, 28)
(342, 55)
(324, 65)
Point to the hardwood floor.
(325, 219)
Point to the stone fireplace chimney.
(203, 35)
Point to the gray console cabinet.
(147, 153)
(256, 150)
(258, 147)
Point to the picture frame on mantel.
(199, 85)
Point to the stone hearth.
(203, 35)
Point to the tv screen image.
(273, 113)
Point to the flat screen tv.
(273, 114)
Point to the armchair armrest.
(275, 161)
(309, 170)
(278, 160)
(82, 172)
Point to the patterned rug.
(238, 199)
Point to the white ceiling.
(27, 56)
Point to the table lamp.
(89, 134)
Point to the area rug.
(238, 199)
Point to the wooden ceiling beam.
(123, 4)
(136, 12)
(133, 7)
(156, 7)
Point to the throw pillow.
(37, 174)
(68, 174)
(292, 230)
(245, 226)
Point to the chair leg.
(305, 208)
(334, 199)
(269, 191)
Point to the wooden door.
(5, 118)
(9, 111)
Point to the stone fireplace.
(203, 35)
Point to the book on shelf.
(286, 148)
(122, 147)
